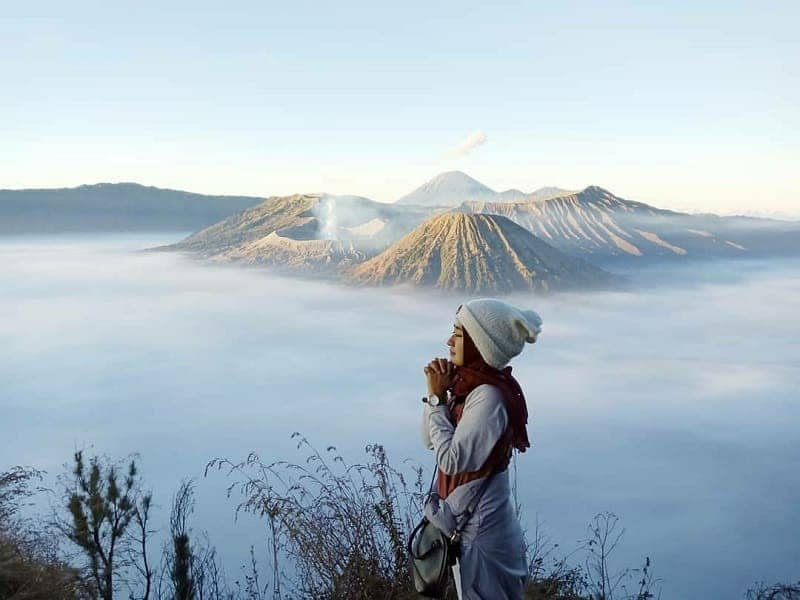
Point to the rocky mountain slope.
(255, 222)
(476, 253)
(597, 225)
(372, 225)
(283, 253)
(305, 233)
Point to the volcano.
(477, 253)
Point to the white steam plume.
(473, 140)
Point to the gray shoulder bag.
(432, 553)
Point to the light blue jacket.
(492, 564)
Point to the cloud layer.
(674, 406)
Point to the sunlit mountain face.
(477, 253)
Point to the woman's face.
(456, 343)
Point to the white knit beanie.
(498, 329)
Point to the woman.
(475, 416)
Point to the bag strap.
(433, 477)
(470, 509)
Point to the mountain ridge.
(592, 223)
(595, 224)
(112, 207)
(450, 183)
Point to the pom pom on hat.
(498, 329)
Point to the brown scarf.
(515, 436)
(477, 373)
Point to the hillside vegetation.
(333, 530)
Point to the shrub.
(340, 528)
(30, 567)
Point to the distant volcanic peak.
(588, 194)
(448, 189)
(476, 252)
(596, 189)
(595, 195)
(455, 187)
(599, 196)
(458, 179)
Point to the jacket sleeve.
(466, 447)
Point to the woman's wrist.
(442, 395)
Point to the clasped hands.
(440, 374)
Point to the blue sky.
(690, 105)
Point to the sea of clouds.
(673, 404)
